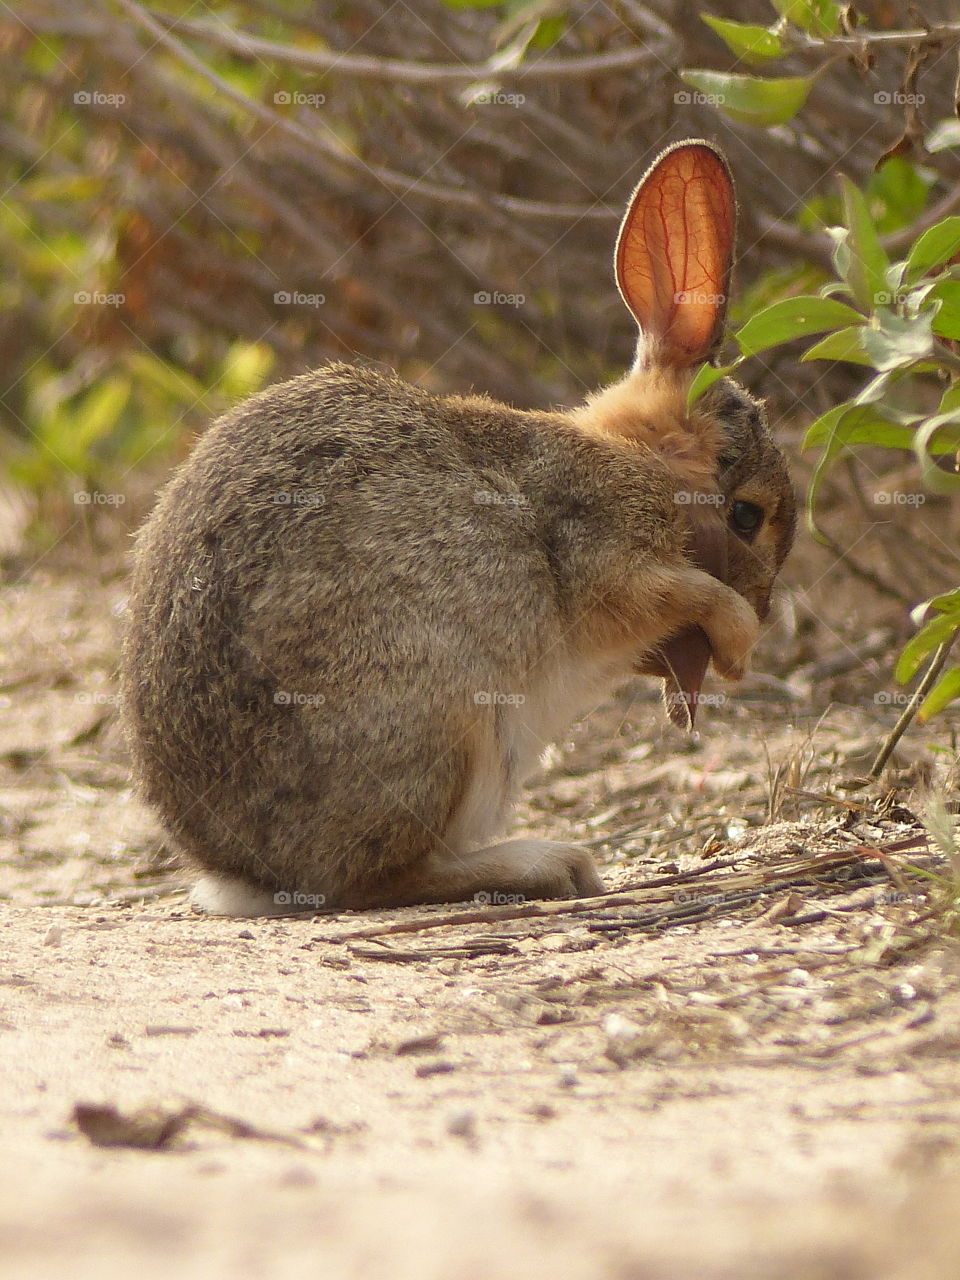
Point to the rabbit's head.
(673, 264)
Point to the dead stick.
(488, 915)
(772, 879)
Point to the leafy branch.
(898, 318)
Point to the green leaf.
(933, 248)
(833, 287)
(180, 385)
(947, 602)
(946, 322)
(946, 690)
(823, 430)
(929, 638)
(794, 318)
(867, 263)
(944, 134)
(915, 299)
(840, 428)
(876, 388)
(98, 413)
(246, 367)
(818, 17)
(900, 191)
(840, 257)
(847, 425)
(548, 32)
(843, 344)
(749, 99)
(750, 43)
(894, 343)
(937, 437)
(705, 377)
(951, 398)
(70, 428)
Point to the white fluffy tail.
(224, 896)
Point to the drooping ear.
(674, 254)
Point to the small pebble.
(233, 1003)
(422, 1042)
(246, 933)
(53, 937)
(798, 978)
(438, 1068)
(462, 1124)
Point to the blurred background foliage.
(199, 199)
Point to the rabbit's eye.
(746, 517)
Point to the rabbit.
(360, 612)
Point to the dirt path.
(618, 1092)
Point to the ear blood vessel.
(359, 612)
(677, 285)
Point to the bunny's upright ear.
(674, 254)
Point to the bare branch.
(391, 70)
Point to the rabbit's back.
(342, 573)
(350, 503)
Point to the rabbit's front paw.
(563, 871)
(733, 628)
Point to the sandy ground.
(767, 1088)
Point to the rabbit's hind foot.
(215, 895)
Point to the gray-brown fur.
(360, 611)
(431, 550)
